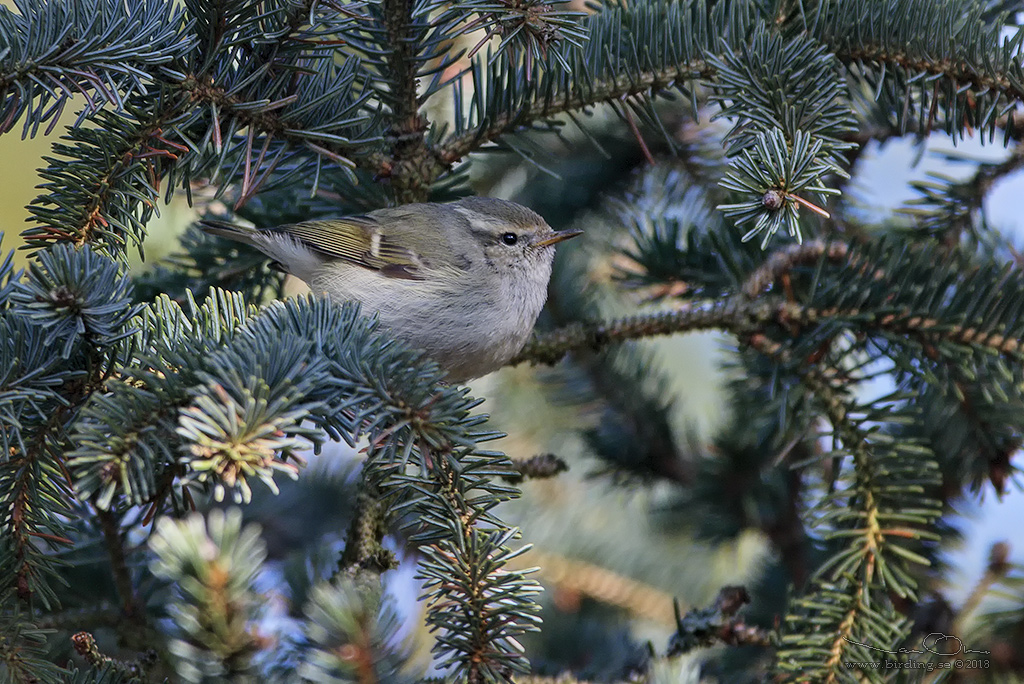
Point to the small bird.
(463, 281)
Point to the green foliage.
(785, 100)
(214, 564)
(132, 397)
(23, 652)
(777, 169)
(74, 297)
(889, 51)
(85, 46)
(353, 632)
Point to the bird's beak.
(559, 237)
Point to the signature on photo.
(936, 642)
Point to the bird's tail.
(228, 230)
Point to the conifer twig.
(783, 260)
(363, 550)
(741, 316)
(717, 623)
(85, 644)
(996, 569)
(412, 167)
(579, 577)
(461, 144)
(549, 348)
(93, 617)
(956, 71)
(131, 606)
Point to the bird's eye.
(509, 238)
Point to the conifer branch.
(783, 260)
(89, 47)
(132, 609)
(135, 670)
(401, 66)
(102, 405)
(410, 163)
(363, 549)
(996, 570)
(96, 203)
(948, 208)
(547, 106)
(17, 529)
(24, 651)
(990, 174)
(873, 513)
(268, 118)
(71, 305)
(840, 641)
(102, 615)
(213, 563)
(551, 347)
(26, 474)
(634, 53)
(354, 633)
(959, 72)
(917, 319)
(968, 81)
(597, 582)
(733, 316)
(465, 568)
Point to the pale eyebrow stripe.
(465, 212)
(473, 219)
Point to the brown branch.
(28, 465)
(783, 260)
(957, 71)
(401, 65)
(93, 617)
(995, 571)
(639, 137)
(988, 174)
(578, 578)
(17, 532)
(971, 193)
(729, 314)
(740, 316)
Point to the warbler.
(463, 281)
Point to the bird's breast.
(469, 328)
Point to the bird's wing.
(360, 240)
